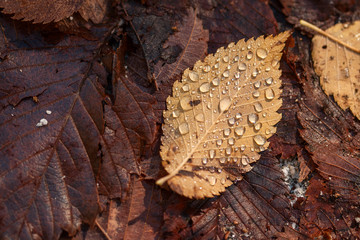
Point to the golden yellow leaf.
(338, 66)
(220, 115)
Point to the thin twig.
(318, 30)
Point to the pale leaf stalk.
(335, 39)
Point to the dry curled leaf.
(220, 116)
(338, 66)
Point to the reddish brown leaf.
(326, 217)
(320, 13)
(140, 217)
(47, 173)
(256, 207)
(40, 11)
(94, 10)
(228, 21)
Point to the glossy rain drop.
(193, 76)
(269, 94)
(258, 107)
(261, 53)
(253, 118)
(200, 117)
(239, 131)
(259, 140)
(224, 104)
(207, 68)
(242, 66)
(184, 128)
(205, 87)
(249, 55)
(185, 103)
(215, 81)
(212, 180)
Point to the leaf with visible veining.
(220, 116)
(339, 66)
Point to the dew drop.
(205, 87)
(237, 75)
(207, 68)
(267, 69)
(216, 81)
(269, 94)
(212, 153)
(216, 65)
(176, 113)
(239, 131)
(258, 107)
(242, 66)
(269, 81)
(260, 140)
(223, 181)
(231, 141)
(244, 160)
(242, 148)
(249, 55)
(200, 117)
(253, 118)
(193, 76)
(255, 73)
(261, 53)
(274, 62)
(219, 142)
(256, 94)
(238, 115)
(183, 128)
(204, 161)
(224, 104)
(257, 84)
(226, 58)
(257, 126)
(231, 121)
(222, 160)
(228, 150)
(236, 58)
(227, 132)
(226, 74)
(212, 180)
(185, 103)
(186, 88)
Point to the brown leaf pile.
(81, 101)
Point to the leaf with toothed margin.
(220, 116)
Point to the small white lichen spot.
(219, 116)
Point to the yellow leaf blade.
(220, 116)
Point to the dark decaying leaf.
(130, 124)
(140, 217)
(40, 11)
(326, 217)
(48, 173)
(332, 205)
(228, 21)
(94, 10)
(255, 208)
(319, 13)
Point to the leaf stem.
(318, 30)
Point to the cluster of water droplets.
(220, 107)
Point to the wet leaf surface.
(90, 172)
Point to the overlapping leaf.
(256, 207)
(338, 66)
